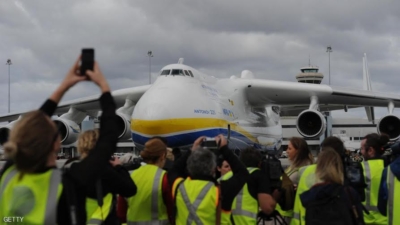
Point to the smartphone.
(87, 60)
(209, 143)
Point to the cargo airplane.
(184, 103)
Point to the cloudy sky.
(273, 39)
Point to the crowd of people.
(199, 186)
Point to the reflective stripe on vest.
(147, 206)
(196, 203)
(97, 214)
(367, 174)
(393, 204)
(154, 195)
(7, 179)
(238, 203)
(307, 180)
(193, 207)
(12, 204)
(373, 174)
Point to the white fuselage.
(182, 108)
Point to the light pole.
(9, 63)
(150, 54)
(329, 50)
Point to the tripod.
(278, 219)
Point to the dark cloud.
(273, 39)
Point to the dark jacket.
(383, 190)
(326, 190)
(115, 180)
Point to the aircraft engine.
(390, 125)
(124, 127)
(68, 129)
(311, 123)
(5, 132)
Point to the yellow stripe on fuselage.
(181, 125)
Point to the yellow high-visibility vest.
(33, 196)
(147, 206)
(96, 214)
(372, 170)
(307, 180)
(244, 206)
(197, 202)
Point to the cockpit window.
(165, 72)
(191, 74)
(187, 73)
(177, 72)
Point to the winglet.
(368, 87)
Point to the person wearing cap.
(389, 191)
(198, 197)
(373, 165)
(149, 205)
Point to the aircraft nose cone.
(155, 111)
(149, 120)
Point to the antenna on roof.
(180, 61)
(309, 60)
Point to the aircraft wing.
(261, 92)
(89, 104)
(295, 110)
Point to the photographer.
(389, 191)
(373, 165)
(255, 193)
(113, 180)
(33, 146)
(197, 196)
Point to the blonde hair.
(87, 141)
(31, 141)
(330, 166)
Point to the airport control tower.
(310, 75)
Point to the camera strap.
(219, 206)
(353, 207)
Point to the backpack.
(332, 211)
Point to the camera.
(87, 60)
(272, 167)
(391, 152)
(354, 176)
(211, 144)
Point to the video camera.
(272, 166)
(391, 152)
(354, 176)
